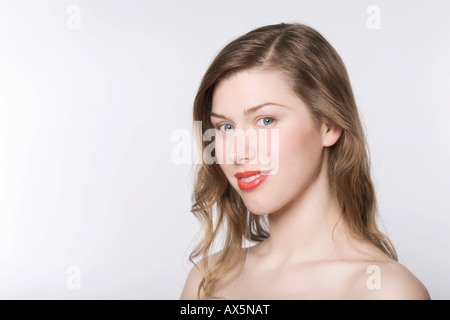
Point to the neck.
(308, 228)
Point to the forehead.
(251, 87)
(245, 89)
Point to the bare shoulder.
(193, 280)
(195, 276)
(389, 280)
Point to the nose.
(245, 145)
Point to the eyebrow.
(249, 111)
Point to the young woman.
(309, 202)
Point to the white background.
(86, 118)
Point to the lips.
(250, 185)
(248, 174)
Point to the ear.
(330, 134)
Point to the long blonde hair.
(317, 74)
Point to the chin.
(256, 203)
(257, 207)
(259, 213)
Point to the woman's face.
(281, 137)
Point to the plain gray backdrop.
(92, 205)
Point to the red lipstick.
(250, 185)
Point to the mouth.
(250, 180)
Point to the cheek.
(299, 151)
(227, 170)
(223, 156)
(222, 148)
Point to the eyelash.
(220, 125)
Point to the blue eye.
(266, 123)
(228, 126)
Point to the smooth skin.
(310, 254)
